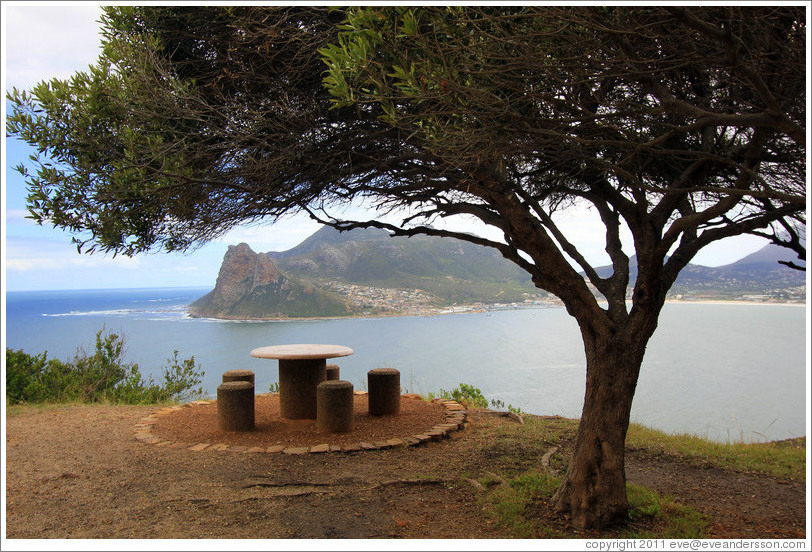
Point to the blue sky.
(47, 40)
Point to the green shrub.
(467, 395)
(92, 378)
(181, 379)
(31, 378)
(100, 376)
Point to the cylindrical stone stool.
(239, 375)
(332, 372)
(334, 406)
(298, 380)
(384, 391)
(235, 406)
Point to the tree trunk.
(594, 493)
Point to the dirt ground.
(78, 472)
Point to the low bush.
(467, 395)
(102, 376)
(470, 396)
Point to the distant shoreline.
(734, 302)
(470, 309)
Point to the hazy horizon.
(212, 284)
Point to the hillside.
(335, 273)
(251, 286)
(457, 271)
(758, 275)
(451, 270)
(359, 272)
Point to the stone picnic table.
(301, 368)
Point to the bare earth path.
(77, 472)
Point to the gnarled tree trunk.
(594, 493)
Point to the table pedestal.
(298, 380)
(302, 367)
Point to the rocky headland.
(369, 273)
(251, 286)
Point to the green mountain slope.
(756, 274)
(452, 270)
(251, 286)
(342, 274)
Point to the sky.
(45, 40)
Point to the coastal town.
(729, 291)
(372, 300)
(378, 300)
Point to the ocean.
(727, 372)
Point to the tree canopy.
(197, 120)
(683, 126)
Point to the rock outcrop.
(251, 286)
(296, 282)
(242, 272)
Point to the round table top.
(301, 351)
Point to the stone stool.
(384, 391)
(334, 406)
(332, 372)
(235, 406)
(239, 375)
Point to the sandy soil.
(199, 425)
(78, 472)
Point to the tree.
(681, 126)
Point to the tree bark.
(594, 493)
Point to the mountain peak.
(327, 236)
(251, 285)
(769, 254)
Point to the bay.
(728, 372)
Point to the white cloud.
(36, 254)
(17, 217)
(50, 263)
(33, 263)
(45, 41)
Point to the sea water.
(728, 372)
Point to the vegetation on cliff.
(250, 286)
(100, 376)
(307, 280)
(451, 270)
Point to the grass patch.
(521, 507)
(652, 515)
(514, 448)
(26, 408)
(511, 504)
(781, 459)
(784, 459)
